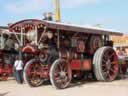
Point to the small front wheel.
(60, 74)
(32, 73)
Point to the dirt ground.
(115, 88)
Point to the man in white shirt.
(18, 65)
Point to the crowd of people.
(122, 54)
(121, 51)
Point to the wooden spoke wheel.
(32, 73)
(60, 74)
(95, 43)
(105, 64)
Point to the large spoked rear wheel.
(105, 64)
(60, 74)
(32, 74)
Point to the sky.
(110, 14)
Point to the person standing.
(48, 16)
(18, 65)
(52, 54)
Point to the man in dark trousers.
(52, 54)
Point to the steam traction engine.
(7, 53)
(78, 49)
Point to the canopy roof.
(64, 26)
(3, 27)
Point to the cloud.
(29, 6)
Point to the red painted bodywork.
(1, 69)
(29, 49)
(76, 65)
(5, 71)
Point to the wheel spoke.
(104, 64)
(112, 70)
(34, 74)
(106, 55)
(62, 77)
(65, 69)
(110, 76)
(111, 55)
(60, 67)
(105, 74)
(58, 80)
(65, 81)
(109, 65)
(56, 74)
(104, 69)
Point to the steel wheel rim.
(33, 73)
(62, 74)
(109, 65)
